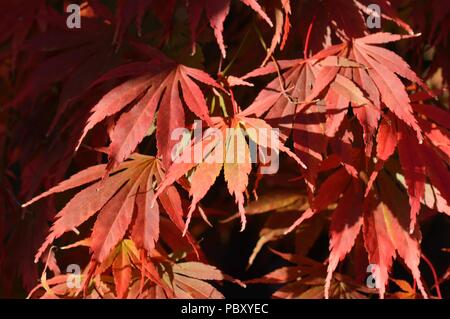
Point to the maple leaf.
(304, 280)
(385, 226)
(390, 232)
(122, 271)
(394, 134)
(342, 19)
(284, 214)
(278, 201)
(217, 12)
(114, 199)
(125, 261)
(75, 58)
(383, 68)
(372, 84)
(156, 89)
(407, 292)
(373, 73)
(20, 17)
(328, 193)
(282, 11)
(296, 85)
(345, 226)
(168, 278)
(290, 102)
(435, 31)
(435, 152)
(414, 172)
(386, 144)
(227, 150)
(126, 12)
(190, 280)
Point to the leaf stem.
(308, 35)
(435, 278)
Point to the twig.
(435, 277)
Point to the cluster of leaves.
(364, 146)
